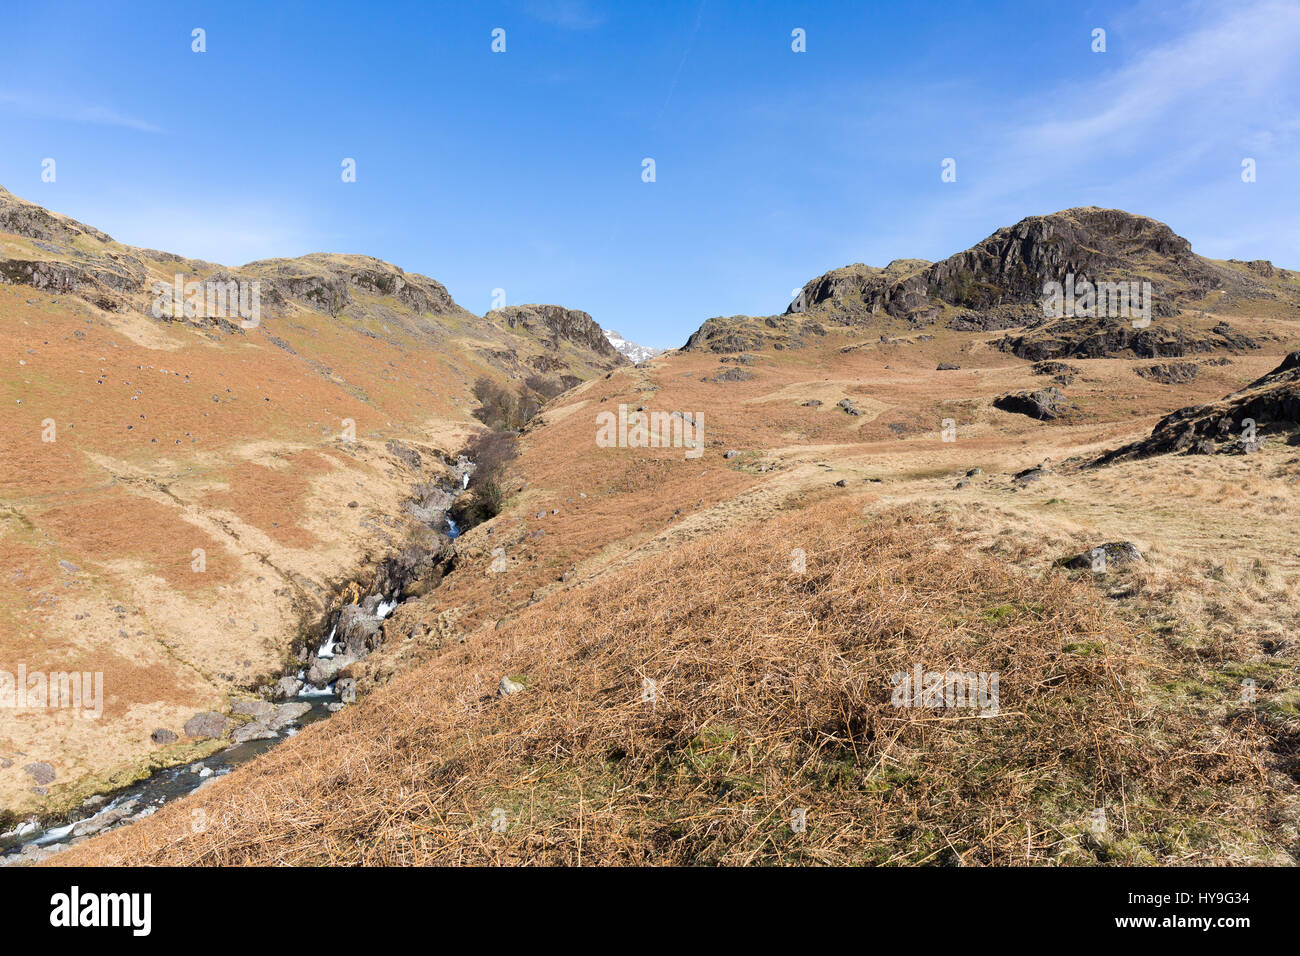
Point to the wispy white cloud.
(569, 14)
(1227, 68)
(72, 111)
(1163, 133)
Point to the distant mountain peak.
(636, 353)
(999, 283)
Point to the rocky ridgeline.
(1007, 271)
(1268, 407)
(90, 264)
(68, 257)
(997, 285)
(1084, 337)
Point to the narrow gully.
(32, 840)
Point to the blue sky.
(522, 170)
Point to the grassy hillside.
(181, 496)
(1120, 691)
(700, 645)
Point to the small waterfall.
(327, 648)
(174, 782)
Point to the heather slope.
(181, 495)
(723, 704)
(862, 505)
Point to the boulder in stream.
(253, 730)
(257, 709)
(288, 714)
(359, 628)
(324, 669)
(287, 686)
(104, 820)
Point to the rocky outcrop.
(730, 375)
(207, 724)
(1104, 557)
(1094, 337)
(743, 333)
(992, 321)
(333, 283)
(735, 333)
(559, 324)
(41, 772)
(999, 284)
(1030, 475)
(1238, 424)
(22, 218)
(1062, 373)
(1000, 281)
(102, 285)
(1044, 403)
(1169, 373)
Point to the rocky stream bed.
(311, 692)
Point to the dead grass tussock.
(772, 694)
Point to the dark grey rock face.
(1087, 337)
(359, 630)
(1169, 373)
(561, 324)
(1045, 403)
(1237, 424)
